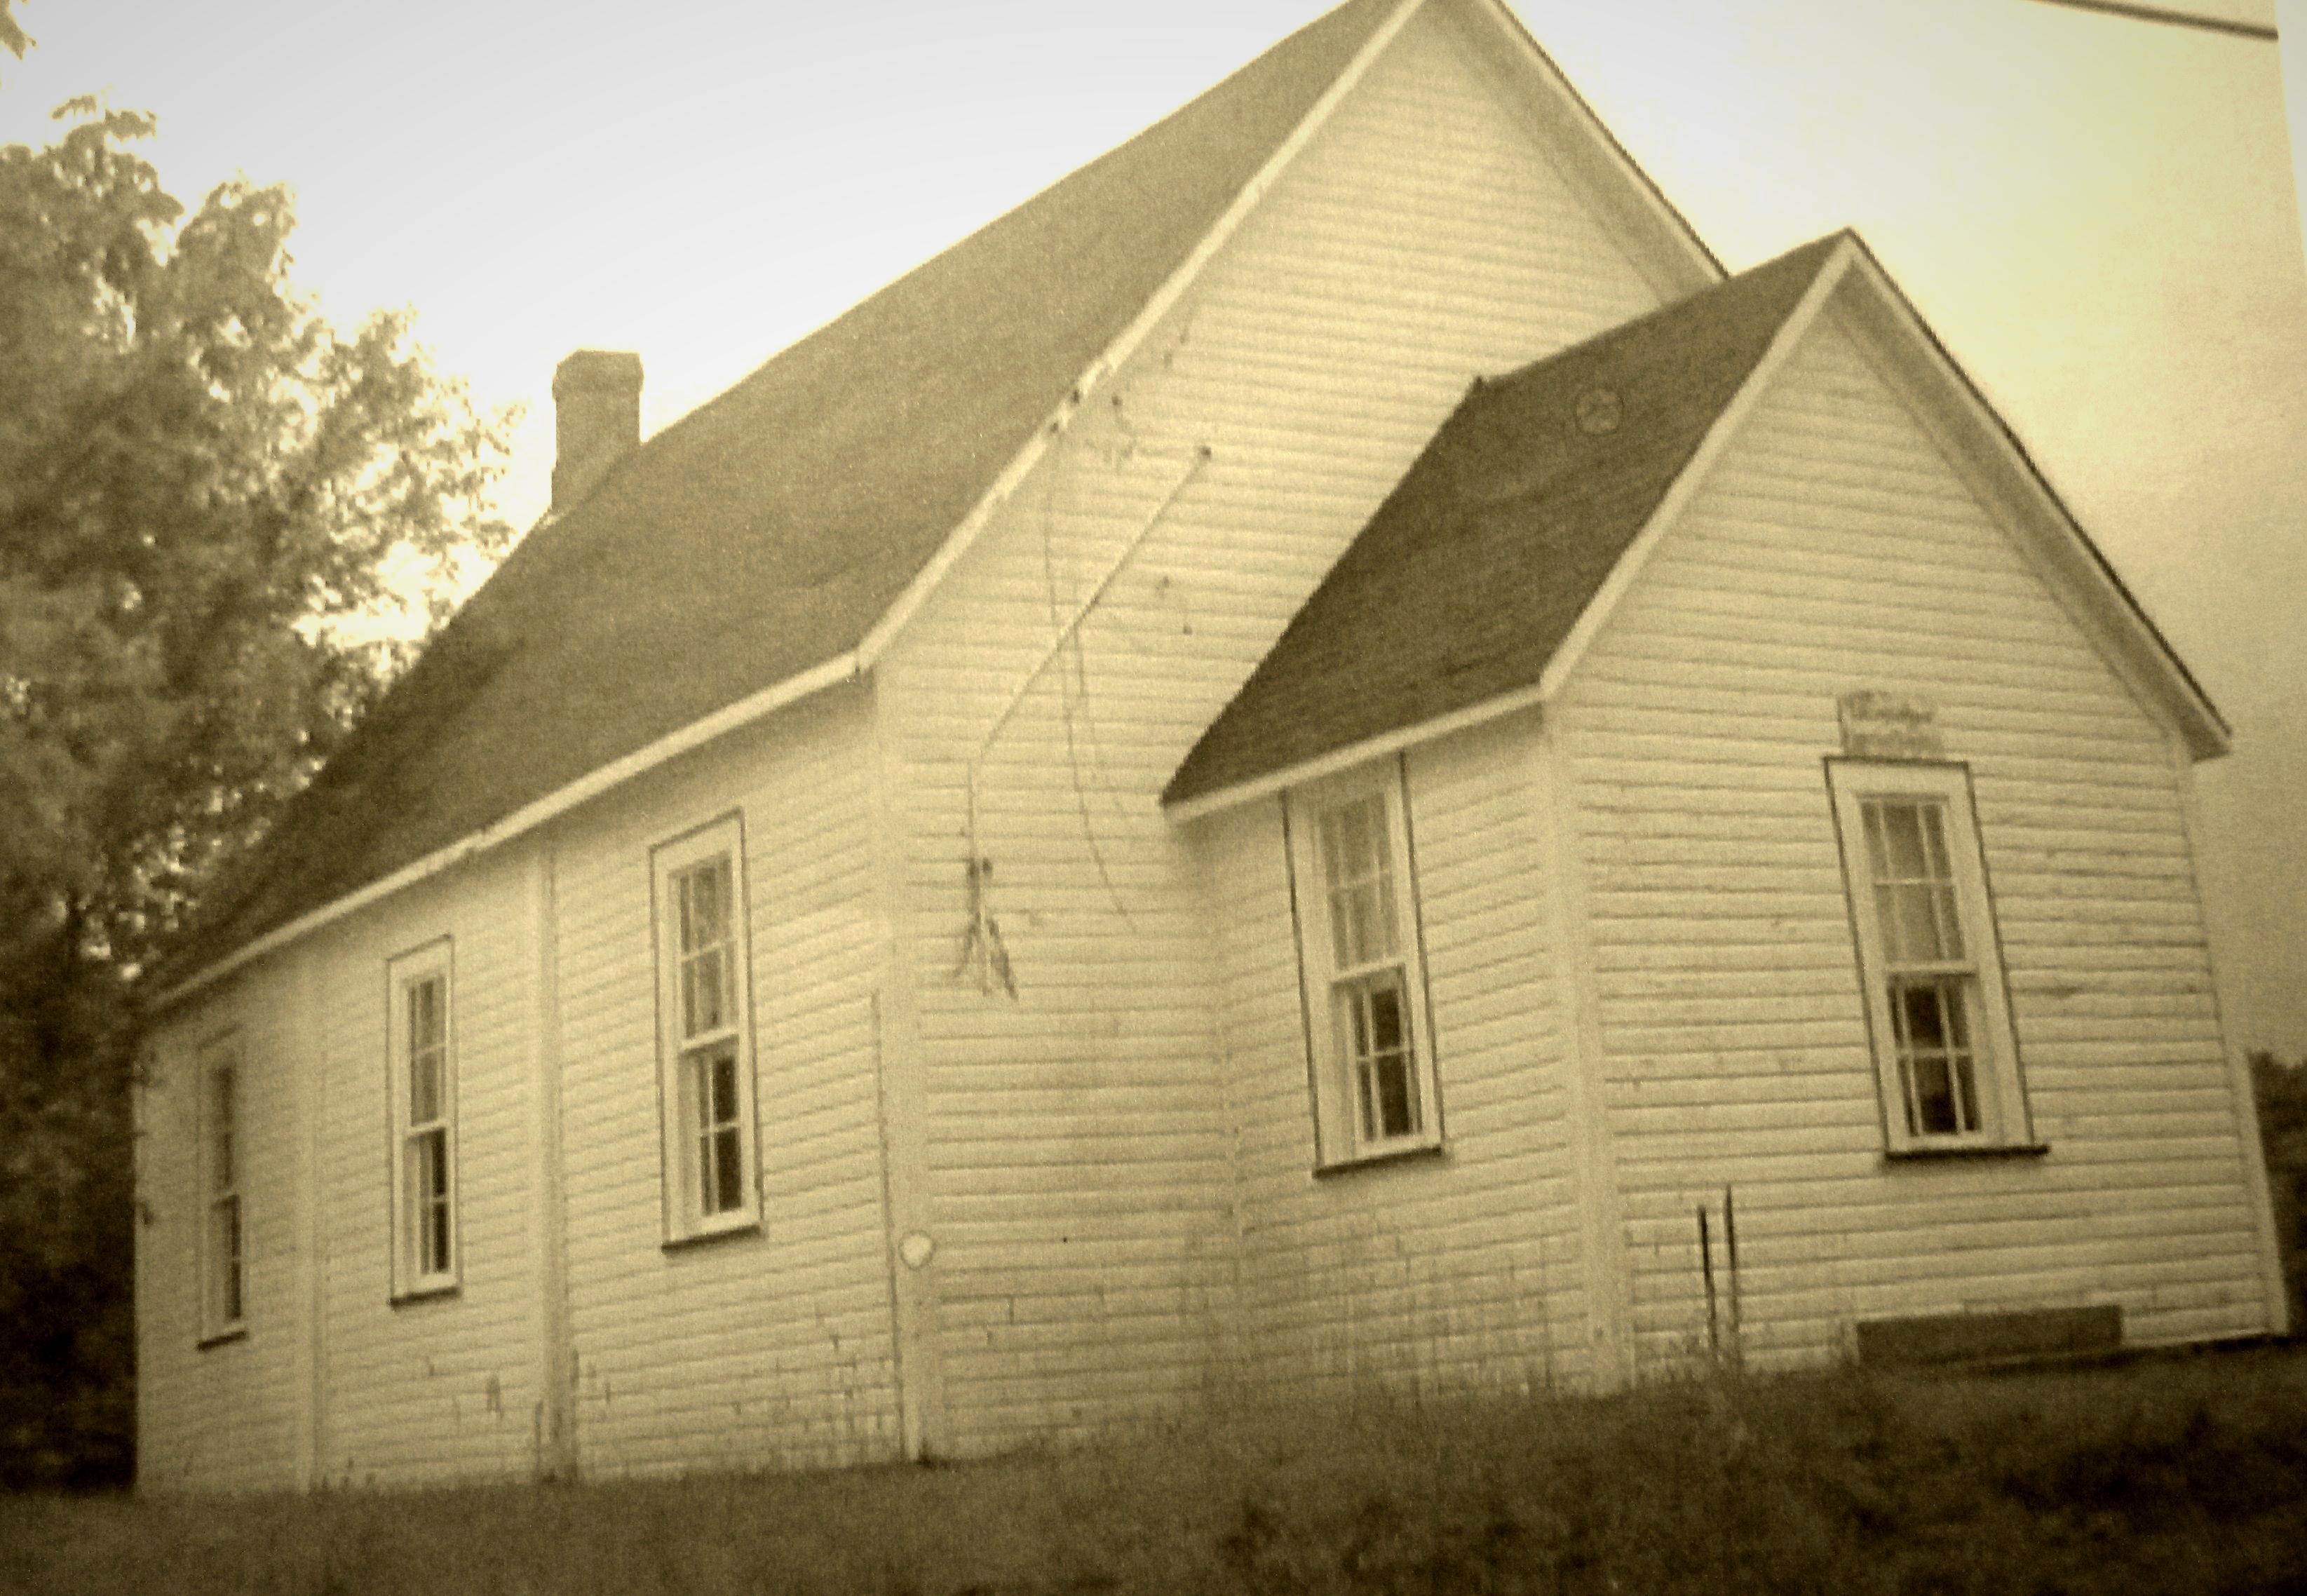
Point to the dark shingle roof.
(1478, 564)
(765, 532)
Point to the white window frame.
(701, 1199)
(427, 1242)
(221, 1152)
(1972, 976)
(1348, 1126)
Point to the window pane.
(729, 1169)
(1934, 848)
(1369, 940)
(1395, 1098)
(1934, 1095)
(1897, 840)
(715, 1111)
(1359, 882)
(1380, 1062)
(221, 1107)
(703, 993)
(425, 1027)
(224, 1242)
(703, 898)
(1923, 1027)
(1931, 1027)
(724, 1089)
(1914, 881)
(1911, 926)
(1346, 842)
(428, 1200)
(1946, 923)
(685, 886)
(1354, 1004)
(1385, 1019)
(424, 1088)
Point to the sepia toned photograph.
(1019, 800)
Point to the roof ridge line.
(1108, 360)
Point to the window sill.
(430, 1293)
(1984, 1150)
(221, 1338)
(751, 1227)
(1373, 1161)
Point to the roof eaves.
(1231, 765)
(843, 667)
(842, 656)
(1496, 708)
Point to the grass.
(2165, 1476)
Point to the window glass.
(223, 1265)
(706, 1058)
(1932, 981)
(1373, 1088)
(423, 1069)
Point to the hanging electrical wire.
(982, 952)
(2177, 19)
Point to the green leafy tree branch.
(211, 501)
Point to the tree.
(204, 488)
(12, 38)
(2281, 1090)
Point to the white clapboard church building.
(1266, 777)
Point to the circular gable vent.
(1600, 411)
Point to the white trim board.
(1719, 433)
(1351, 754)
(1992, 460)
(879, 637)
(1111, 360)
(841, 668)
(1976, 444)
(1560, 110)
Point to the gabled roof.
(1475, 586)
(765, 532)
(1480, 563)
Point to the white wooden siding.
(1432, 1273)
(1079, 1138)
(1833, 548)
(446, 1387)
(222, 1417)
(748, 1351)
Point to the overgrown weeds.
(2179, 1476)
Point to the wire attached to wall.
(981, 949)
(1077, 678)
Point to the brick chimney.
(596, 404)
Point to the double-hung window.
(1368, 1044)
(705, 1036)
(1929, 962)
(223, 1263)
(423, 1083)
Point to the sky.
(2096, 214)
